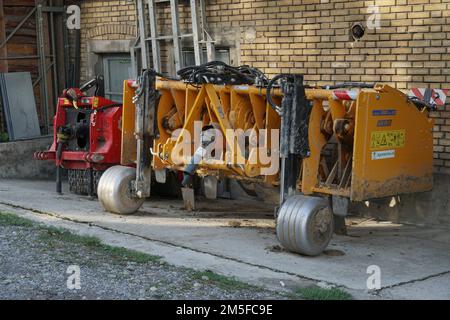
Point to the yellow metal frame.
(348, 124)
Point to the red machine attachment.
(87, 138)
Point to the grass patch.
(131, 255)
(8, 219)
(51, 235)
(54, 236)
(317, 293)
(223, 282)
(4, 137)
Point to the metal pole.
(55, 63)
(133, 62)
(175, 34)
(154, 36)
(210, 51)
(144, 57)
(42, 66)
(76, 71)
(66, 49)
(39, 77)
(195, 30)
(135, 46)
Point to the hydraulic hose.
(220, 73)
(269, 90)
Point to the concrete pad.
(435, 288)
(404, 253)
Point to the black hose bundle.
(220, 73)
(420, 104)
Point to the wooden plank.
(27, 39)
(21, 49)
(15, 17)
(3, 51)
(19, 3)
(3, 63)
(29, 65)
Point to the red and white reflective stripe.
(419, 93)
(132, 83)
(345, 95)
(438, 96)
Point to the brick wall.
(410, 49)
(105, 20)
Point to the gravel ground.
(34, 261)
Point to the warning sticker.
(386, 154)
(387, 139)
(95, 102)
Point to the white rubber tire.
(305, 225)
(114, 190)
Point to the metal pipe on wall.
(66, 46)
(77, 58)
(42, 67)
(53, 50)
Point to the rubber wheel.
(114, 190)
(305, 225)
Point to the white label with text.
(385, 154)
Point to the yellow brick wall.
(105, 20)
(311, 37)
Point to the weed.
(317, 293)
(221, 281)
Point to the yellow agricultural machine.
(321, 147)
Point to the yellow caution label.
(387, 139)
